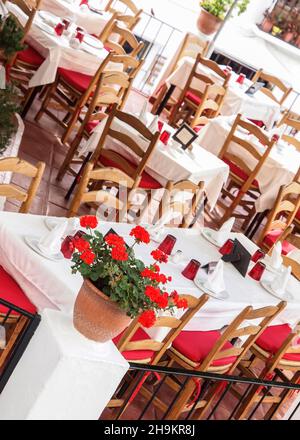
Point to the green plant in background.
(11, 35)
(219, 8)
(8, 107)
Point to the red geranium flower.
(152, 292)
(89, 221)
(88, 257)
(81, 245)
(163, 300)
(147, 319)
(140, 234)
(119, 253)
(160, 256)
(114, 240)
(182, 303)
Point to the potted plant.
(117, 286)
(268, 21)
(9, 106)
(213, 13)
(289, 32)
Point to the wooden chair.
(218, 355)
(191, 97)
(294, 127)
(73, 91)
(112, 88)
(279, 221)
(295, 266)
(274, 82)
(242, 175)
(11, 191)
(131, 19)
(133, 342)
(22, 66)
(115, 36)
(174, 199)
(277, 350)
(191, 47)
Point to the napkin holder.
(185, 136)
(239, 257)
(255, 88)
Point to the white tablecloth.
(168, 164)
(11, 151)
(62, 375)
(41, 278)
(91, 21)
(259, 106)
(57, 52)
(279, 168)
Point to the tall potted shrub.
(213, 13)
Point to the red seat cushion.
(30, 56)
(194, 98)
(298, 215)
(272, 339)
(197, 345)
(271, 238)
(260, 124)
(79, 81)
(11, 292)
(235, 169)
(147, 182)
(136, 355)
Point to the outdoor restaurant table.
(259, 107)
(53, 281)
(92, 22)
(62, 375)
(279, 168)
(168, 163)
(58, 52)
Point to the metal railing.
(144, 407)
(19, 327)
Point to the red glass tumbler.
(80, 36)
(59, 28)
(67, 247)
(259, 255)
(257, 271)
(227, 248)
(168, 244)
(241, 79)
(160, 126)
(191, 270)
(66, 23)
(79, 234)
(165, 137)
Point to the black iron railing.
(19, 327)
(143, 406)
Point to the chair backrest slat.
(274, 82)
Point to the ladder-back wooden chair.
(126, 12)
(116, 36)
(11, 191)
(274, 82)
(174, 200)
(138, 347)
(279, 350)
(22, 65)
(245, 163)
(213, 351)
(112, 88)
(280, 219)
(295, 266)
(293, 128)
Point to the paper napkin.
(223, 234)
(215, 280)
(51, 242)
(279, 284)
(276, 258)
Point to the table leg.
(251, 231)
(30, 100)
(166, 99)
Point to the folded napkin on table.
(157, 230)
(51, 242)
(153, 126)
(280, 282)
(143, 114)
(215, 280)
(276, 258)
(223, 233)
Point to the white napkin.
(143, 114)
(51, 242)
(223, 233)
(73, 226)
(153, 127)
(276, 258)
(279, 284)
(215, 281)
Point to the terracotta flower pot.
(208, 23)
(267, 25)
(97, 317)
(288, 36)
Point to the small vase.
(288, 36)
(267, 25)
(97, 317)
(208, 23)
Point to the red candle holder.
(165, 137)
(227, 248)
(66, 23)
(59, 28)
(160, 126)
(257, 271)
(241, 79)
(191, 270)
(67, 247)
(168, 244)
(80, 36)
(259, 255)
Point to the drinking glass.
(67, 247)
(59, 28)
(165, 137)
(66, 23)
(259, 255)
(80, 36)
(79, 234)
(168, 244)
(227, 248)
(257, 271)
(241, 79)
(160, 126)
(191, 270)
